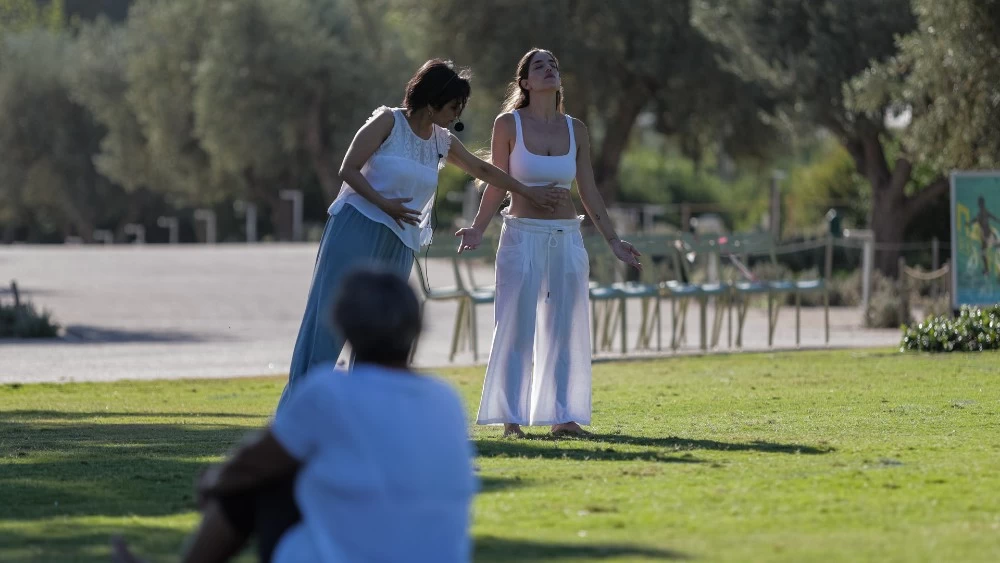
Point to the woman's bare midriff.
(521, 207)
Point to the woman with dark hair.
(539, 367)
(333, 478)
(382, 213)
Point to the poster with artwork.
(975, 238)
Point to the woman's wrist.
(378, 200)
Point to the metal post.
(775, 212)
(828, 266)
(935, 247)
(208, 216)
(105, 236)
(295, 196)
(137, 230)
(867, 238)
(250, 211)
(171, 224)
(867, 267)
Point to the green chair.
(607, 303)
(460, 289)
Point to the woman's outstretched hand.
(627, 253)
(471, 238)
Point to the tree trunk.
(619, 129)
(892, 210)
(889, 228)
(319, 150)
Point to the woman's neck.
(542, 107)
(420, 122)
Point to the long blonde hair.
(516, 97)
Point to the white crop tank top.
(537, 170)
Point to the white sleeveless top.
(403, 166)
(537, 170)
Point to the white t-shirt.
(386, 468)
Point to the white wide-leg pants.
(539, 367)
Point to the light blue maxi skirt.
(350, 240)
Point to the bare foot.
(568, 429)
(120, 552)
(512, 431)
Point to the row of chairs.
(668, 274)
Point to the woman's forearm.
(594, 204)
(360, 184)
(493, 198)
(496, 177)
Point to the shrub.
(974, 330)
(23, 321)
(889, 305)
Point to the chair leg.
(610, 325)
(770, 319)
(684, 315)
(798, 319)
(458, 329)
(416, 341)
(703, 330)
(729, 324)
(826, 315)
(717, 317)
(624, 330)
(649, 325)
(474, 333)
(659, 325)
(742, 304)
(610, 318)
(643, 319)
(593, 327)
(674, 339)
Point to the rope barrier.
(927, 276)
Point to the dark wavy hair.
(436, 84)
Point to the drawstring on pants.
(553, 242)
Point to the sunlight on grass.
(834, 456)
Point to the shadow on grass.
(494, 484)
(684, 444)
(56, 469)
(88, 334)
(89, 543)
(37, 415)
(561, 450)
(602, 447)
(55, 542)
(490, 549)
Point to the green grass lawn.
(811, 456)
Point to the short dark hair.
(378, 313)
(435, 84)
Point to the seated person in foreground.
(371, 465)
